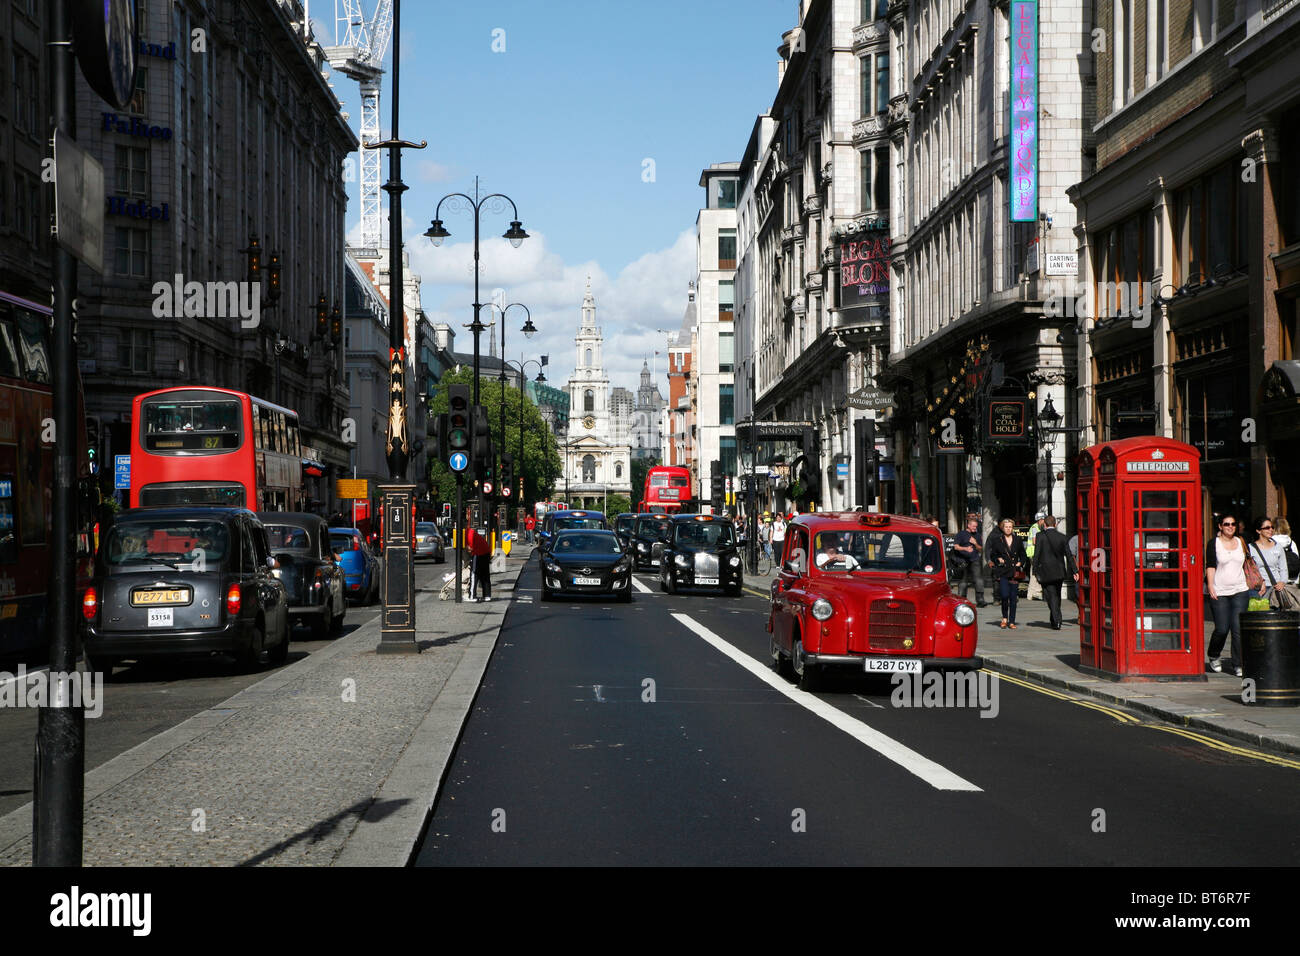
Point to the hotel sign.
(1023, 174)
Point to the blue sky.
(562, 121)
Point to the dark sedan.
(586, 562)
(557, 521)
(184, 582)
(309, 569)
(651, 529)
(701, 552)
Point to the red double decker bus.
(200, 445)
(27, 480)
(667, 489)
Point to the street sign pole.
(460, 528)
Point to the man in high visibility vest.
(1035, 592)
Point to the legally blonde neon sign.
(1024, 111)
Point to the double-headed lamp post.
(540, 380)
(437, 232)
(529, 331)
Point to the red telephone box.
(1140, 556)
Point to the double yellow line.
(1124, 718)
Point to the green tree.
(640, 468)
(617, 505)
(539, 466)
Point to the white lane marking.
(641, 587)
(28, 673)
(932, 773)
(867, 700)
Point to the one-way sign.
(459, 461)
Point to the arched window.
(589, 401)
(588, 468)
(618, 469)
(588, 363)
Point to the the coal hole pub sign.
(1006, 420)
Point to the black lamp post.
(529, 331)
(541, 380)
(436, 233)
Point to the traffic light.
(92, 444)
(507, 476)
(459, 434)
(716, 486)
(438, 426)
(273, 278)
(336, 326)
(322, 318)
(482, 442)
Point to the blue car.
(359, 564)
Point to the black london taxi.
(623, 525)
(586, 561)
(174, 582)
(701, 552)
(308, 568)
(869, 592)
(651, 529)
(560, 520)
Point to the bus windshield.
(196, 425)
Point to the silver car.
(429, 542)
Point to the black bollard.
(1270, 646)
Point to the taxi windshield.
(562, 524)
(624, 523)
(287, 537)
(853, 550)
(650, 529)
(702, 535)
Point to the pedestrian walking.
(1225, 579)
(1034, 592)
(968, 550)
(1282, 536)
(1052, 564)
(480, 574)
(530, 523)
(778, 537)
(1006, 556)
(765, 536)
(1270, 558)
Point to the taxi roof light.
(874, 520)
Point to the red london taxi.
(869, 592)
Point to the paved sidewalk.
(1036, 652)
(290, 772)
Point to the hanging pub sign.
(1006, 419)
(864, 267)
(949, 441)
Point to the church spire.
(588, 308)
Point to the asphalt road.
(145, 699)
(570, 756)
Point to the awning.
(760, 430)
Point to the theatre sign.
(864, 266)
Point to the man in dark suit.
(1052, 562)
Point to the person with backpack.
(480, 567)
(1282, 536)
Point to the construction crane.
(358, 54)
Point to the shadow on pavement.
(327, 826)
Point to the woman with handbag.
(1271, 560)
(1228, 579)
(1007, 558)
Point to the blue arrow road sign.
(459, 461)
(121, 471)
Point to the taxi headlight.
(822, 609)
(964, 615)
(640, 546)
(735, 561)
(683, 560)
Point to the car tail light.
(234, 598)
(319, 582)
(90, 604)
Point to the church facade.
(596, 456)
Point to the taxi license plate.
(706, 580)
(595, 581)
(655, 562)
(159, 596)
(160, 617)
(892, 665)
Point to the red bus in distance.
(214, 447)
(667, 490)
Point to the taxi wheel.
(96, 663)
(281, 652)
(805, 672)
(670, 585)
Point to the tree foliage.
(617, 505)
(640, 468)
(539, 464)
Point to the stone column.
(1261, 146)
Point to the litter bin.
(1270, 646)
